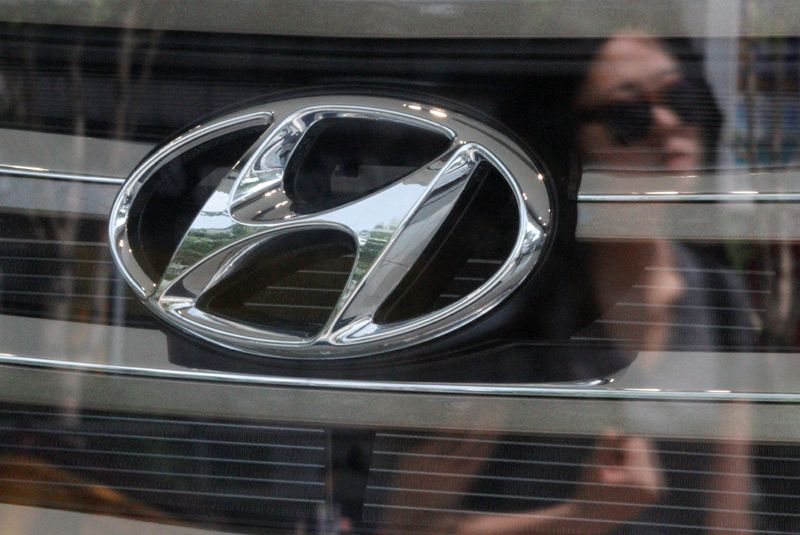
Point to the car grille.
(271, 475)
(75, 280)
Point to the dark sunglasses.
(630, 121)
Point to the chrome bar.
(30, 172)
(666, 196)
(571, 412)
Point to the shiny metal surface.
(717, 375)
(74, 158)
(688, 221)
(47, 174)
(140, 282)
(585, 412)
(734, 184)
(772, 185)
(410, 19)
(676, 196)
(390, 228)
(739, 185)
(39, 195)
(669, 368)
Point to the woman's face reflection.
(630, 110)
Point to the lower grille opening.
(255, 476)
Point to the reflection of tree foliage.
(766, 130)
(202, 243)
(375, 244)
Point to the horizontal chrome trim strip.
(12, 170)
(68, 157)
(594, 389)
(405, 19)
(745, 221)
(739, 197)
(133, 351)
(70, 243)
(616, 217)
(747, 197)
(42, 194)
(191, 375)
(708, 185)
(573, 413)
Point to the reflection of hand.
(621, 479)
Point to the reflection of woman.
(637, 110)
(631, 115)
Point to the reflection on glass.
(639, 110)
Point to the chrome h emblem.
(391, 227)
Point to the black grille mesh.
(198, 470)
(274, 476)
(427, 483)
(44, 276)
